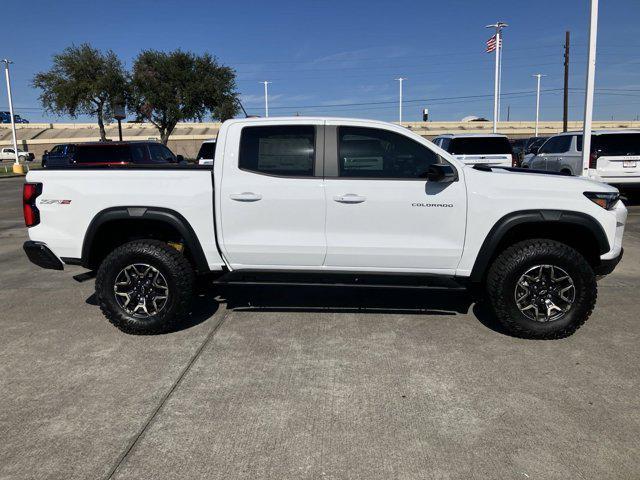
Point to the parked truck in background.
(9, 154)
(329, 201)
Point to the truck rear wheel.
(541, 289)
(145, 287)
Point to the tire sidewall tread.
(172, 264)
(514, 261)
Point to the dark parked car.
(109, 153)
(526, 146)
(5, 117)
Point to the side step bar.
(324, 279)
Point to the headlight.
(605, 200)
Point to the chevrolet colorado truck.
(328, 201)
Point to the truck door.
(382, 213)
(272, 203)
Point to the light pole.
(538, 76)
(588, 99)
(400, 80)
(17, 168)
(266, 98)
(496, 87)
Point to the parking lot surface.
(310, 383)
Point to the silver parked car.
(614, 158)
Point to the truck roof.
(601, 132)
(476, 135)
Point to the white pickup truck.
(8, 153)
(328, 201)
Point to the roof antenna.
(246, 115)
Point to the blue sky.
(325, 56)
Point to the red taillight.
(30, 192)
(593, 160)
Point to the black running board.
(349, 279)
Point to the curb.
(11, 176)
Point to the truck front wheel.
(541, 289)
(145, 287)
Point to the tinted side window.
(445, 144)
(139, 153)
(287, 150)
(102, 153)
(207, 151)
(160, 154)
(559, 144)
(374, 153)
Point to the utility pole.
(496, 87)
(590, 86)
(538, 76)
(508, 112)
(266, 98)
(400, 80)
(565, 107)
(17, 168)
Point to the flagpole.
(498, 26)
(499, 75)
(495, 85)
(590, 86)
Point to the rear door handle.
(349, 198)
(245, 197)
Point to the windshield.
(480, 145)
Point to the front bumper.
(40, 255)
(607, 266)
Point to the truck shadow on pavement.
(354, 300)
(204, 307)
(314, 299)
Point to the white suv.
(490, 149)
(615, 155)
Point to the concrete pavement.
(310, 383)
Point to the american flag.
(491, 44)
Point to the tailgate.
(619, 166)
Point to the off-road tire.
(175, 268)
(517, 259)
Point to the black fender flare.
(165, 215)
(513, 219)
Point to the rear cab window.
(480, 145)
(282, 150)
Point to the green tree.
(83, 80)
(168, 88)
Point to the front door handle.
(349, 198)
(245, 197)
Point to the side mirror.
(441, 173)
(46, 152)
